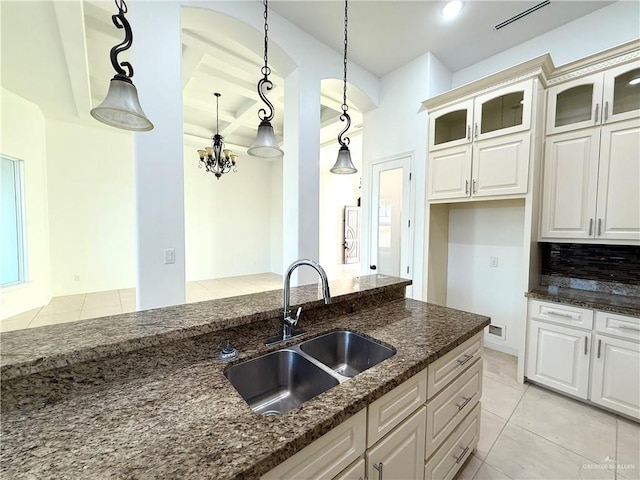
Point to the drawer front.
(449, 407)
(448, 367)
(392, 408)
(329, 455)
(355, 471)
(618, 325)
(446, 462)
(561, 314)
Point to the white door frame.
(405, 161)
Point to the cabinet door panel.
(616, 375)
(501, 166)
(355, 471)
(559, 358)
(449, 173)
(570, 183)
(621, 99)
(618, 208)
(503, 111)
(574, 105)
(451, 126)
(402, 451)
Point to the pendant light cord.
(345, 116)
(266, 70)
(265, 84)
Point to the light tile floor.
(70, 308)
(527, 432)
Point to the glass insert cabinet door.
(622, 93)
(451, 126)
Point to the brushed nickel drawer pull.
(606, 111)
(378, 467)
(465, 402)
(590, 227)
(624, 327)
(599, 227)
(595, 116)
(468, 132)
(466, 187)
(465, 359)
(476, 132)
(559, 314)
(586, 339)
(464, 452)
(599, 345)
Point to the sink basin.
(279, 382)
(346, 353)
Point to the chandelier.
(343, 163)
(121, 107)
(265, 145)
(216, 158)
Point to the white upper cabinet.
(594, 100)
(480, 147)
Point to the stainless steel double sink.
(283, 380)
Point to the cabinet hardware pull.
(475, 186)
(465, 402)
(624, 327)
(590, 226)
(466, 187)
(464, 452)
(476, 131)
(468, 132)
(378, 467)
(559, 314)
(599, 227)
(595, 115)
(586, 339)
(465, 359)
(606, 111)
(599, 345)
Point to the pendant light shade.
(343, 164)
(121, 107)
(265, 145)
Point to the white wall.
(228, 221)
(276, 217)
(477, 232)
(22, 136)
(91, 209)
(605, 28)
(336, 192)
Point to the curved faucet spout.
(287, 287)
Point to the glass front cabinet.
(480, 147)
(597, 99)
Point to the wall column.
(158, 154)
(301, 172)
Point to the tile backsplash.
(609, 263)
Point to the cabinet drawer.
(355, 471)
(329, 455)
(618, 325)
(450, 406)
(391, 409)
(446, 462)
(446, 368)
(561, 314)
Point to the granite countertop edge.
(149, 331)
(579, 298)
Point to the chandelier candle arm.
(343, 164)
(265, 145)
(121, 107)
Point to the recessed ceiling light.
(451, 9)
(635, 81)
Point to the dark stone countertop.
(605, 301)
(168, 411)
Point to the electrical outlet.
(76, 278)
(493, 262)
(169, 255)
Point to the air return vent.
(522, 14)
(496, 330)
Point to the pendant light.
(343, 164)
(265, 145)
(217, 159)
(121, 107)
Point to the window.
(12, 252)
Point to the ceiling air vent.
(522, 14)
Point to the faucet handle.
(296, 317)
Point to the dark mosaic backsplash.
(610, 263)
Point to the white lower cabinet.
(400, 455)
(394, 438)
(600, 364)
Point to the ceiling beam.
(70, 21)
(190, 61)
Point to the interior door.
(351, 235)
(391, 218)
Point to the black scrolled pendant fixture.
(343, 164)
(265, 145)
(121, 107)
(216, 158)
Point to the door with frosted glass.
(390, 218)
